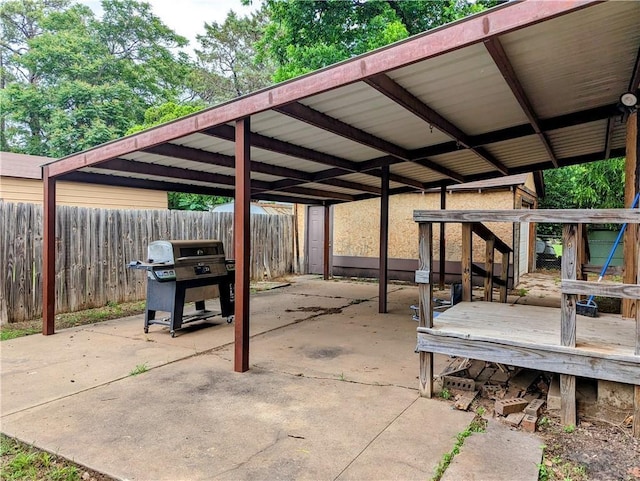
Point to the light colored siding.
(85, 195)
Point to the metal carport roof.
(525, 86)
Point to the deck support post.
(630, 189)
(326, 243)
(383, 267)
(636, 391)
(442, 248)
(242, 243)
(425, 292)
(49, 255)
(488, 267)
(504, 277)
(571, 239)
(466, 261)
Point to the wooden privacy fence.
(93, 247)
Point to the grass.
(139, 369)
(21, 461)
(557, 468)
(445, 394)
(478, 425)
(71, 319)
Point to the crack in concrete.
(375, 438)
(279, 437)
(362, 383)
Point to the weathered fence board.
(93, 247)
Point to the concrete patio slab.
(196, 419)
(499, 454)
(331, 394)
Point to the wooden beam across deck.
(604, 349)
(542, 216)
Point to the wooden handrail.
(544, 216)
(485, 233)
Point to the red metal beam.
(242, 243)
(49, 254)
(146, 168)
(383, 269)
(608, 138)
(634, 82)
(280, 147)
(323, 121)
(213, 158)
(442, 252)
(472, 30)
(500, 58)
(392, 90)
(326, 254)
(91, 178)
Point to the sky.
(187, 17)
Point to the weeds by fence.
(93, 247)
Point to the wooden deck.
(529, 336)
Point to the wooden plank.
(568, 400)
(488, 278)
(563, 360)
(636, 411)
(544, 216)
(587, 288)
(637, 337)
(569, 265)
(466, 261)
(630, 189)
(485, 233)
(425, 293)
(504, 277)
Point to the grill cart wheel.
(230, 319)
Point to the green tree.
(595, 185)
(165, 113)
(76, 81)
(226, 59)
(305, 35)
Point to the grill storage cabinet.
(186, 271)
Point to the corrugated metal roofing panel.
(155, 177)
(287, 129)
(519, 152)
(461, 82)
(416, 171)
(579, 140)
(464, 162)
(550, 58)
(619, 137)
(363, 107)
(365, 179)
(330, 188)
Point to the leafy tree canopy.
(595, 185)
(226, 58)
(75, 81)
(305, 35)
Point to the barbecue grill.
(186, 271)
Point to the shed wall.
(14, 189)
(356, 224)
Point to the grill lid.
(176, 251)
